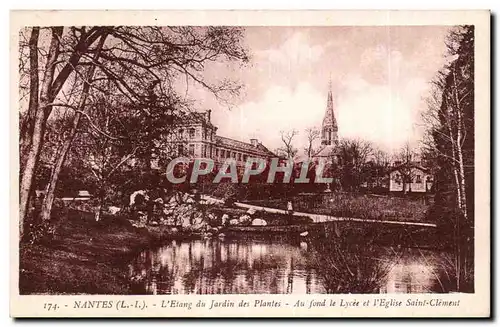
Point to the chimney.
(208, 115)
(254, 142)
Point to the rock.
(185, 221)
(245, 219)
(133, 196)
(259, 222)
(225, 219)
(154, 223)
(199, 227)
(198, 218)
(251, 211)
(304, 234)
(114, 210)
(170, 221)
(158, 200)
(189, 200)
(234, 222)
(222, 235)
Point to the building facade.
(410, 178)
(197, 138)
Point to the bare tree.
(287, 149)
(130, 58)
(450, 143)
(61, 157)
(381, 164)
(405, 160)
(39, 110)
(312, 134)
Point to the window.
(191, 149)
(233, 155)
(245, 157)
(397, 178)
(217, 153)
(400, 287)
(418, 179)
(228, 154)
(222, 153)
(191, 133)
(181, 133)
(239, 156)
(204, 151)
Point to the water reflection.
(278, 267)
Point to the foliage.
(347, 266)
(112, 89)
(450, 146)
(40, 232)
(350, 163)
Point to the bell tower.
(329, 128)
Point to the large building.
(197, 138)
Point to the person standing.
(289, 211)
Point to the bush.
(40, 232)
(226, 191)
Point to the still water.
(283, 267)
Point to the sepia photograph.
(226, 159)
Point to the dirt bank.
(84, 256)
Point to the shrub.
(40, 232)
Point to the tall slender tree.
(451, 142)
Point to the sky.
(380, 77)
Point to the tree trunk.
(27, 124)
(54, 177)
(461, 173)
(42, 113)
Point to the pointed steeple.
(329, 119)
(329, 128)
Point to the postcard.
(250, 163)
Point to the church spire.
(329, 129)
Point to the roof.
(410, 165)
(326, 151)
(242, 146)
(194, 117)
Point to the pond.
(282, 266)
